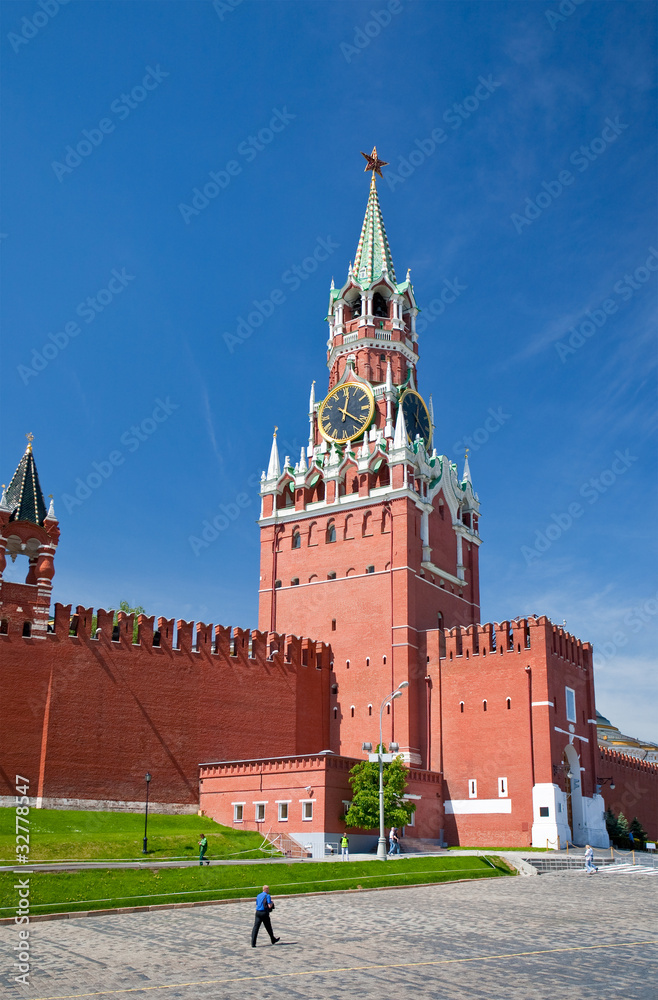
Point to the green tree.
(364, 810)
(611, 825)
(622, 831)
(638, 831)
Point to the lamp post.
(146, 814)
(381, 846)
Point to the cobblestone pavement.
(556, 936)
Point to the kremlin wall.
(369, 584)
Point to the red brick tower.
(27, 530)
(371, 538)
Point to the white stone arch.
(575, 796)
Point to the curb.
(74, 914)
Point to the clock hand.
(345, 412)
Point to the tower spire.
(466, 478)
(274, 468)
(24, 496)
(373, 254)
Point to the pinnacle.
(23, 495)
(373, 254)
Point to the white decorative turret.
(311, 420)
(466, 478)
(274, 468)
(400, 439)
(50, 516)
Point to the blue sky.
(482, 109)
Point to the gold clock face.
(346, 412)
(416, 417)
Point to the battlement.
(507, 637)
(609, 756)
(179, 636)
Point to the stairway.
(421, 845)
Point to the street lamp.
(381, 846)
(146, 815)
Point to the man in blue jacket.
(264, 906)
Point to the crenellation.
(185, 637)
(145, 630)
(165, 634)
(62, 620)
(104, 624)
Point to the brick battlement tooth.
(187, 637)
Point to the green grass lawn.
(103, 889)
(63, 834)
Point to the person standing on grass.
(264, 907)
(203, 847)
(345, 848)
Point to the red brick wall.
(116, 710)
(636, 788)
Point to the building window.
(412, 820)
(461, 707)
(472, 789)
(238, 812)
(347, 664)
(369, 709)
(294, 582)
(296, 539)
(509, 704)
(331, 532)
(335, 713)
(332, 575)
(4, 627)
(307, 811)
(370, 569)
(502, 788)
(484, 705)
(260, 812)
(333, 624)
(571, 704)
(277, 584)
(27, 630)
(384, 660)
(352, 711)
(283, 812)
(388, 708)
(367, 661)
(544, 811)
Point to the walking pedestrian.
(345, 848)
(393, 841)
(203, 847)
(264, 907)
(589, 860)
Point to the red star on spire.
(374, 163)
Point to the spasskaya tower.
(370, 539)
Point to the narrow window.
(367, 661)
(352, 711)
(333, 624)
(347, 664)
(4, 627)
(283, 812)
(369, 709)
(277, 584)
(388, 709)
(27, 630)
(307, 810)
(331, 576)
(260, 812)
(370, 569)
(502, 788)
(294, 582)
(484, 705)
(238, 812)
(509, 704)
(384, 660)
(296, 539)
(335, 713)
(571, 704)
(331, 532)
(472, 789)
(461, 707)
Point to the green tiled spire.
(23, 496)
(373, 254)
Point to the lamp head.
(148, 777)
(367, 747)
(404, 684)
(396, 694)
(393, 747)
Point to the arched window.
(367, 661)
(369, 709)
(379, 305)
(352, 711)
(484, 705)
(388, 708)
(312, 534)
(355, 306)
(335, 713)
(347, 664)
(331, 532)
(509, 704)
(386, 522)
(461, 707)
(384, 660)
(294, 582)
(296, 539)
(277, 584)
(366, 527)
(349, 526)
